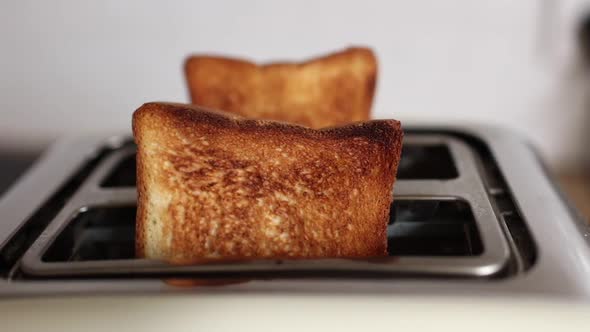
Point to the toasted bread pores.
(333, 90)
(217, 186)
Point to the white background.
(77, 67)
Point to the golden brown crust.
(332, 90)
(141, 189)
(216, 186)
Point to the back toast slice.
(216, 186)
(327, 91)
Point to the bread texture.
(328, 91)
(215, 186)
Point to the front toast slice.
(328, 91)
(216, 186)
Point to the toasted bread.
(217, 186)
(329, 91)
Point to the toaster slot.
(432, 228)
(96, 234)
(417, 162)
(421, 161)
(416, 228)
(122, 175)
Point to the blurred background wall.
(77, 67)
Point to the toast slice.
(217, 186)
(332, 90)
